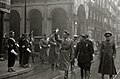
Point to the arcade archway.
(59, 20)
(15, 23)
(81, 18)
(35, 18)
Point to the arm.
(57, 38)
(72, 50)
(114, 50)
(76, 51)
(101, 50)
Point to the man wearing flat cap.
(107, 55)
(83, 53)
(66, 52)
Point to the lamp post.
(1, 34)
(25, 8)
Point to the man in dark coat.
(31, 40)
(21, 43)
(66, 52)
(107, 55)
(11, 52)
(84, 53)
(26, 50)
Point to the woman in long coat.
(107, 55)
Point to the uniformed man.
(75, 41)
(11, 51)
(66, 52)
(44, 43)
(84, 53)
(27, 51)
(54, 50)
(107, 56)
(21, 43)
(31, 40)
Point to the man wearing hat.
(75, 41)
(83, 55)
(66, 52)
(44, 48)
(26, 50)
(21, 42)
(107, 56)
(54, 50)
(11, 51)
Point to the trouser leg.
(82, 73)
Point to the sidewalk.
(19, 70)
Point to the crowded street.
(59, 39)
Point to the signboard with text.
(5, 6)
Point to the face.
(13, 34)
(108, 38)
(81, 38)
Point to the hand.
(76, 62)
(57, 30)
(23, 46)
(55, 43)
(114, 56)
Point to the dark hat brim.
(83, 35)
(66, 32)
(108, 34)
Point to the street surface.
(55, 74)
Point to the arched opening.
(81, 17)
(15, 23)
(35, 17)
(59, 20)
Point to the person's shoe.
(65, 77)
(13, 70)
(102, 77)
(9, 70)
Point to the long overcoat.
(107, 52)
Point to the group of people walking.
(63, 52)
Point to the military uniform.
(26, 52)
(11, 52)
(44, 51)
(21, 49)
(66, 54)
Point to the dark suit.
(84, 53)
(11, 56)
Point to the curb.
(17, 73)
(61, 76)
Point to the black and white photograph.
(59, 39)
